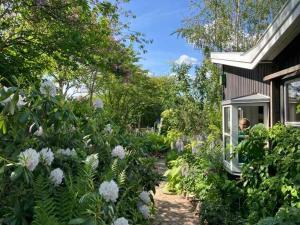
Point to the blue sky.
(158, 19)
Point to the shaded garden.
(82, 125)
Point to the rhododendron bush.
(64, 162)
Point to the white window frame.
(285, 96)
(234, 166)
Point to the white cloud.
(185, 59)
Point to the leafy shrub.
(82, 160)
(155, 143)
(285, 216)
(201, 173)
(272, 179)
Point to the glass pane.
(293, 102)
(227, 147)
(248, 116)
(227, 124)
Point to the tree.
(40, 37)
(228, 25)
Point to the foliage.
(285, 216)
(196, 109)
(137, 101)
(29, 196)
(201, 173)
(272, 176)
(228, 25)
(155, 143)
(267, 192)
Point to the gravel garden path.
(172, 209)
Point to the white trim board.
(285, 27)
(255, 99)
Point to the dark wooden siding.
(290, 56)
(241, 82)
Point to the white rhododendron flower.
(108, 129)
(92, 160)
(145, 211)
(41, 2)
(67, 152)
(29, 159)
(118, 151)
(179, 145)
(39, 132)
(98, 103)
(194, 149)
(21, 101)
(48, 88)
(109, 191)
(56, 176)
(120, 221)
(8, 99)
(145, 197)
(47, 156)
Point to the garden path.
(172, 209)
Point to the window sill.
(293, 124)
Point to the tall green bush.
(55, 155)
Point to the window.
(238, 118)
(292, 102)
(253, 114)
(226, 133)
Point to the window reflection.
(227, 148)
(248, 116)
(227, 120)
(293, 102)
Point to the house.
(262, 84)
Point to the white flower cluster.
(92, 160)
(29, 159)
(98, 103)
(20, 102)
(109, 191)
(67, 152)
(119, 152)
(194, 149)
(145, 197)
(108, 129)
(143, 204)
(145, 211)
(56, 176)
(185, 170)
(39, 132)
(47, 156)
(120, 221)
(179, 145)
(48, 88)
(41, 2)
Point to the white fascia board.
(249, 60)
(250, 99)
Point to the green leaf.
(24, 117)
(2, 124)
(77, 221)
(16, 174)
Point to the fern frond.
(44, 210)
(115, 168)
(122, 178)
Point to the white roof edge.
(248, 99)
(248, 60)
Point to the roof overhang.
(285, 27)
(249, 99)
